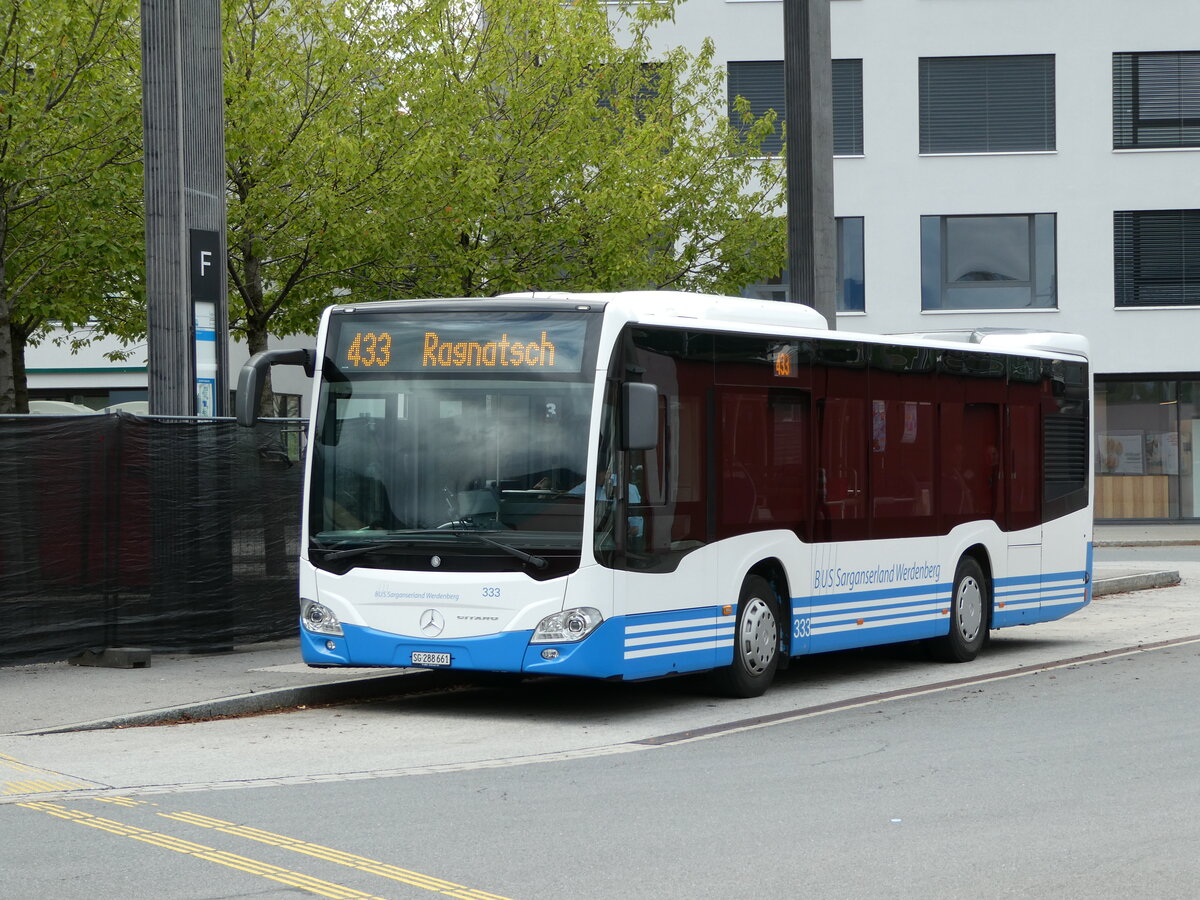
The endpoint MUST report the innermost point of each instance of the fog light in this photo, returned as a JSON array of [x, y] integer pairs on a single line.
[[330, 645], [567, 626], [549, 653], [318, 618]]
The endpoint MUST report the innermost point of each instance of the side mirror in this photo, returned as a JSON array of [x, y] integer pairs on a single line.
[[639, 416], [252, 377]]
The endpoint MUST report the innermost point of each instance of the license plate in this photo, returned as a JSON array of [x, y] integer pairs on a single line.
[[420, 658]]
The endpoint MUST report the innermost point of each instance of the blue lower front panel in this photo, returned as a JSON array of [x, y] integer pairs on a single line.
[[683, 640], [644, 646], [597, 656]]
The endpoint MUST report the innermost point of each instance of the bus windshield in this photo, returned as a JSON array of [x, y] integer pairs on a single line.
[[427, 430]]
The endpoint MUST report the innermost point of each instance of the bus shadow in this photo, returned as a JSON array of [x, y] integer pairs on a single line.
[[591, 702]]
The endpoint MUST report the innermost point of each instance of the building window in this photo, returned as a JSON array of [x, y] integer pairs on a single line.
[[1156, 100], [1156, 256], [851, 292], [988, 262], [847, 108], [762, 83], [987, 104]]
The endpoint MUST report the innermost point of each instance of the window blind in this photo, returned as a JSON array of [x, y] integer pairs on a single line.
[[1156, 100], [762, 83], [987, 104], [1156, 256]]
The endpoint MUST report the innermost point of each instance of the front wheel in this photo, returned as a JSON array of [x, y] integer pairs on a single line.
[[756, 642], [968, 615]]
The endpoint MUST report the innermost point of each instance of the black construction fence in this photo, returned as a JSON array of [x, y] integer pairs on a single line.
[[129, 531]]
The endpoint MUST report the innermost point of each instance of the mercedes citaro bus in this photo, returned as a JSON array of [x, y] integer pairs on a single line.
[[641, 484]]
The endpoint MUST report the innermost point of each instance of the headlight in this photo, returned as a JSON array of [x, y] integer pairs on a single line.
[[319, 618], [567, 626]]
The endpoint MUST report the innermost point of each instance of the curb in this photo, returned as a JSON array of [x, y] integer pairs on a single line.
[[1146, 542], [1139, 581], [372, 687]]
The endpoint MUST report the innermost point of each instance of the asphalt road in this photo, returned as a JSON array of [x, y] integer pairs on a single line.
[[1061, 763], [1077, 781]]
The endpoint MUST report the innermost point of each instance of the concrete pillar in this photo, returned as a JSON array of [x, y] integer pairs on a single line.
[[808, 86], [183, 124]]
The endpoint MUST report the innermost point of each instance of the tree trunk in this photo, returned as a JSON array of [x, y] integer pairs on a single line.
[[257, 320], [20, 340], [256, 342], [9, 399]]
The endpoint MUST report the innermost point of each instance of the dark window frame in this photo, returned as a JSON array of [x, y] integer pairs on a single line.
[[936, 286], [1137, 94], [1156, 258]]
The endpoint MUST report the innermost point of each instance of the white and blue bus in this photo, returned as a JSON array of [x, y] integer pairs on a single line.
[[642, 484]]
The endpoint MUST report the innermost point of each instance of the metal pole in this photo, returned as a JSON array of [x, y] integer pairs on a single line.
[[183, 126], [808, 96]]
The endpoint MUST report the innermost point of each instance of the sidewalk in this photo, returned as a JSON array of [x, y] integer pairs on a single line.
[[60, 697], [1147, 534]]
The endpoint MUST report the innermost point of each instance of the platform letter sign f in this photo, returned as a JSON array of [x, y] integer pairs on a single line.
[[205, 280]]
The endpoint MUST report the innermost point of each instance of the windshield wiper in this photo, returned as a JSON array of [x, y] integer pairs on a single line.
[[411, 536]]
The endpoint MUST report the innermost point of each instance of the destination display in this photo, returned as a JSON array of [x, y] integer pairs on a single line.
[[541, 342]]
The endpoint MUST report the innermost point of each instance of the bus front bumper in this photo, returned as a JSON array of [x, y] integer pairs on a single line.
[[599, 655]]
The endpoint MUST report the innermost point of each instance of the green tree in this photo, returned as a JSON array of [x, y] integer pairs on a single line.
[[70, 176], [559, 151], [442, 148], [315, 136]]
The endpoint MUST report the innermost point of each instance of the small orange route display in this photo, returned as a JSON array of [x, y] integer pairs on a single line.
[[369, 348]]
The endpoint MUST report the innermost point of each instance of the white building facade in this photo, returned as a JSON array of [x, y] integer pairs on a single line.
[[1018, 164]]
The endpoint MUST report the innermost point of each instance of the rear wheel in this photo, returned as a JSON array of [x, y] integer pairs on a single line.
[[756, 642], [968, 615]]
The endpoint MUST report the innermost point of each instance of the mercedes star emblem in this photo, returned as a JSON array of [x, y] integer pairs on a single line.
[[432, 623]]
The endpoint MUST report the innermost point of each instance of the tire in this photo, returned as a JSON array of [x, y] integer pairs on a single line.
[[969, 606], [756, 642]]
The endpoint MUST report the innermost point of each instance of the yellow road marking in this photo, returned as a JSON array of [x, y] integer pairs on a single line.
[[41, 785], [200, 851], [37, 786], [362, 863]]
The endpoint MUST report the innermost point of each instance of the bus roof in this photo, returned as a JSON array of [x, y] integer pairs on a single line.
[[653, 306], [715, 310], [1009, 339]]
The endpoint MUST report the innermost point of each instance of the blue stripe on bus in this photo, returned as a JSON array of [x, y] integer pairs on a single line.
[[684, 640], [862, 618], [1039, 579], [882, 594]]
